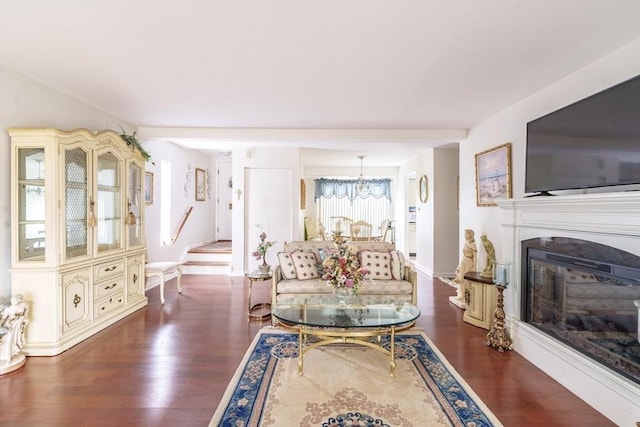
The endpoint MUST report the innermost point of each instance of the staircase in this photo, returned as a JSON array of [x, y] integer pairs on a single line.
[[214, 258]]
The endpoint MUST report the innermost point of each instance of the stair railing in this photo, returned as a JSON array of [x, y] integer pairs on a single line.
[[181, 224]]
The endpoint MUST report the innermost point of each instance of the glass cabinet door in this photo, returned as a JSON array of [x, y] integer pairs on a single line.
[[76, 201], [134, 211], [31, 208], [108, 203]]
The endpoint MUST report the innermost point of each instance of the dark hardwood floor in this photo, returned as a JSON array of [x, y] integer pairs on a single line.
[[169, 365]]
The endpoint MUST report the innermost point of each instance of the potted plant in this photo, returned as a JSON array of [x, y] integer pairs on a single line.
[[261, 252]]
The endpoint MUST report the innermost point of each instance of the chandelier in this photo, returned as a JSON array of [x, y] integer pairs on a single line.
[[362, 185]]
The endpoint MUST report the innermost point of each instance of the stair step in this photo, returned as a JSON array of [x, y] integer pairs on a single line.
[[215, 263], [212, 257], [206, 267], [209, 251], [223, 247]]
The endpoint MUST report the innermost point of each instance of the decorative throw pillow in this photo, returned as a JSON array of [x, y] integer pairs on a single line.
[[397, 265], [305, 265], [286, 265], [378, 264], [402, 265]]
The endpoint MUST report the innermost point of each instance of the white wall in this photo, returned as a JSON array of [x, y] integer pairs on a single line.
[[26, 103], [510, 126], [267, 209], [265, 158], [425, 220], [437, 219], [200, 226], [445, 211]]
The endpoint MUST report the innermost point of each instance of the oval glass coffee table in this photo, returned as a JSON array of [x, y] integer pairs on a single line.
[[346, 323]]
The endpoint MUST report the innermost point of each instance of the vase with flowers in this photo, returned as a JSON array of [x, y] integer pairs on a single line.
[[343, 272], [261, 252]]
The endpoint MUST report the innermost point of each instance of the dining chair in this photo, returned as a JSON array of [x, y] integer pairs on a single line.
[[361, 231], [311, 228]]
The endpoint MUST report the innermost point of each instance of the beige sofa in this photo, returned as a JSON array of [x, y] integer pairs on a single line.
[[293, 285]]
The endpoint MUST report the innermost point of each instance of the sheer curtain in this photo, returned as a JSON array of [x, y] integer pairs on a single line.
[[338, 197]]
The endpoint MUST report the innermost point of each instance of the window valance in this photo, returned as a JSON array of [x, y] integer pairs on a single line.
[[335, 187]]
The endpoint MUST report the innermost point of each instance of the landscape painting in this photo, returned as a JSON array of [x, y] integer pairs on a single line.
[[493, 175]]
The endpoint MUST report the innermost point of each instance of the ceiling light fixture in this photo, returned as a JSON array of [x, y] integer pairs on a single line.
[[362, 186]]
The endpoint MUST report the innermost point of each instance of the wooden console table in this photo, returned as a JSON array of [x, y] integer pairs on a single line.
[[480, 297]]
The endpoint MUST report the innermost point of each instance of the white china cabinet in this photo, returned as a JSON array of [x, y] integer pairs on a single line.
[[77, 226]]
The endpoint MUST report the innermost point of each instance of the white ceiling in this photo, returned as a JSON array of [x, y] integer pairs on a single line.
[[230, 67]]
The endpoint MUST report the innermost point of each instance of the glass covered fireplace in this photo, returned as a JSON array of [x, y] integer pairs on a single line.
[[582, 293]]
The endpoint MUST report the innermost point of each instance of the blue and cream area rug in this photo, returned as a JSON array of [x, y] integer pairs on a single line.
[[348, 385]]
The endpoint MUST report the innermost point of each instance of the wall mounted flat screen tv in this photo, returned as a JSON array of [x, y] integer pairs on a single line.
[[594, 142]]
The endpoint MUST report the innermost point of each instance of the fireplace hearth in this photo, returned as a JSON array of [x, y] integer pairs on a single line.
[[582, 293]]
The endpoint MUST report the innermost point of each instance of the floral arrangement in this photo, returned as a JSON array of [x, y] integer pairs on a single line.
[[343, 269], [263, 247]]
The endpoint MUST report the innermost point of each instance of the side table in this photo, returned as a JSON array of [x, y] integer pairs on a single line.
[[480, 299], [257, 276]]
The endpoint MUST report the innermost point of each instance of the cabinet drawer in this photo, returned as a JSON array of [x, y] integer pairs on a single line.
[[108, 269], [108, 305], [108, 287]]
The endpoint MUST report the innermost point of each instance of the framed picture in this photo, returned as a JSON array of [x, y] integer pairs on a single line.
[[423, 189], [148, 188], [493, 175], [303, 194], [200, 184]]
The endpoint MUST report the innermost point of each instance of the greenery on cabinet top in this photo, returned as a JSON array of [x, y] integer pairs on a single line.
[[132, 140]]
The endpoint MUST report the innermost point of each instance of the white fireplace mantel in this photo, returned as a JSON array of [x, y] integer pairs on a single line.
[[611, 219]]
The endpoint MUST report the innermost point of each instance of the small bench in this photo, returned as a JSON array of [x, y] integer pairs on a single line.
[[160, 269]]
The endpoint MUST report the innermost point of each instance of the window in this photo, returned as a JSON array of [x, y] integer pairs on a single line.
[[165, 202], [338, 197]]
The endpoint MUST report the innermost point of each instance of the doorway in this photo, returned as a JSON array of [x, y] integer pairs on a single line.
[[411, 210], [224, 202]]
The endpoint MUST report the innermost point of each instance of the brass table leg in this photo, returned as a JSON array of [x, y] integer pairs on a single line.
[[351, 337], [392, 356], [300, 351]]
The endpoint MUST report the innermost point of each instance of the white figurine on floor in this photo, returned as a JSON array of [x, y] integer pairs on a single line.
[[467, 263], [13, 319]]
